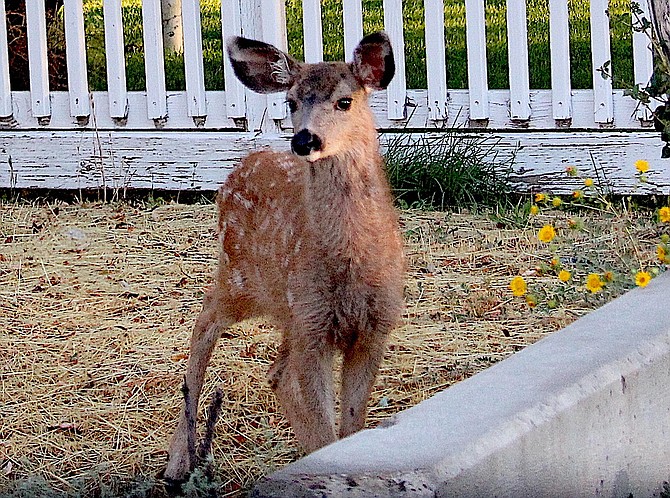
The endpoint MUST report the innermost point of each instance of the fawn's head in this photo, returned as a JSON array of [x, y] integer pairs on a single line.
[[327, 101]]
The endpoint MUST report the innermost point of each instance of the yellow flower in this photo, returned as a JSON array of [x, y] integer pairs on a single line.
[[540, 197], [593, 283], [571, 171], [546, 233], [577, 194], [564, 275], [664, 214], [534, 210], [662, 253], [642, 278], [555, 262], [518, 286], [608, 276], [556, 202], [588, 182], [642, 166]]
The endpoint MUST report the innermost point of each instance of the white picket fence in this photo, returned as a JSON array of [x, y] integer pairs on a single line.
[[190, 140]]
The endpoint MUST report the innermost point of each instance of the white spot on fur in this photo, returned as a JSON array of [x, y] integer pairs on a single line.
[[225, 192], [240, 199], [237, 278]]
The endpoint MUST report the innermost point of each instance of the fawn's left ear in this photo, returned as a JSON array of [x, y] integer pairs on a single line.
[[373, 64], [260, 66]]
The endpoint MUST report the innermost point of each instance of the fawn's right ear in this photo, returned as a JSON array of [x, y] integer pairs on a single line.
[[373, 64], [260, 66]]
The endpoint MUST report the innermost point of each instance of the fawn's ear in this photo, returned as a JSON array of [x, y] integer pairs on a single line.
[[260, 66], [373, 64]]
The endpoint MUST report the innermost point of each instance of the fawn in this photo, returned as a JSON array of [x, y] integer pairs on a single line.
[[310, 240]]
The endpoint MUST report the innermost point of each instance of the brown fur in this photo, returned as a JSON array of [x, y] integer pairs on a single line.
[[312, 243]]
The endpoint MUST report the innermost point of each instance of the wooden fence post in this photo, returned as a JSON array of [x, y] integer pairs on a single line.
[[661, 20], [660, 10]]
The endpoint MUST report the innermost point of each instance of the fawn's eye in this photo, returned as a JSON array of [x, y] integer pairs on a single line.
[[343, 104], [292, 105]]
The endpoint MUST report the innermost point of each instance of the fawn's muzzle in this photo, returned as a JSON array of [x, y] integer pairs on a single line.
[[305, 142]]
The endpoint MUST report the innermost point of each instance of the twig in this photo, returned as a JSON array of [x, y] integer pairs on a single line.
[[214, 410]]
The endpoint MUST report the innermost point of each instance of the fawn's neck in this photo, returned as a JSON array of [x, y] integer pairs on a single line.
[[347, 198]]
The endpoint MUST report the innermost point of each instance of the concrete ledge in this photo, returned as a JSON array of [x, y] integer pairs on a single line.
[[583, 412]]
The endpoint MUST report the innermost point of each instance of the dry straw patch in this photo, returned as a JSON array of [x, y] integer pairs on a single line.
[[97, 303]]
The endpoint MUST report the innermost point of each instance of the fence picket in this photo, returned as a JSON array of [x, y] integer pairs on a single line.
[[36, 27], [116, 64], [643, 62], [436, 60], [559, 47], [231, 25], [517, 46], [602, 61], [476, 47], [352, 16], [154, 63], [273, 19], [312, 30], [397, 90], [5, 89], [194, 68], [75, 52]]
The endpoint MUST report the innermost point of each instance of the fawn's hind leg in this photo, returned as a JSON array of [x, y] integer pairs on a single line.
[[302, 378], [359, 371], [206, 332]]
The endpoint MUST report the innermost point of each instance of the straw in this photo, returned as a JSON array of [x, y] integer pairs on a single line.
[[97, 304]]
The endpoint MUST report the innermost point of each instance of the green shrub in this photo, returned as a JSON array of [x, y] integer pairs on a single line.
[[447, 169]]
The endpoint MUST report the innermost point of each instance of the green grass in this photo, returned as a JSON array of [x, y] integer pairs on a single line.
[[413, 13]]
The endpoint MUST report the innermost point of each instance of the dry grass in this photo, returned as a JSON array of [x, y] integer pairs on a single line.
[[97, 304]]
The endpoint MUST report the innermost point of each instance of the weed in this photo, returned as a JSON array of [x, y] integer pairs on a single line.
[[136, 487], [447, 169], [566, 271]]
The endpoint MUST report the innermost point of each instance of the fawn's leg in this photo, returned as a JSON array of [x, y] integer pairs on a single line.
[[279, 365], [205, 334], [359, 370], [302, 378]]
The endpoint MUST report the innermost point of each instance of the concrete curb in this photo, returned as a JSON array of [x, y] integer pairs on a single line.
[[583, 412]]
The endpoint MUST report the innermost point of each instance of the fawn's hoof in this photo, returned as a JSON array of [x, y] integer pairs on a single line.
[[175, 474], [173, 486]]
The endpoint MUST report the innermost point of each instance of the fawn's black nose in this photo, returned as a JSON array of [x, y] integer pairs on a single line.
[[305, 142]]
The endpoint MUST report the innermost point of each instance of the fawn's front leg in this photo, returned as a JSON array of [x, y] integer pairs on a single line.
[[359, 371], [181, 455]]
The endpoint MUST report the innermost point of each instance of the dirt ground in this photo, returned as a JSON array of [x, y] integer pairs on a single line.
[[97, 302]]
